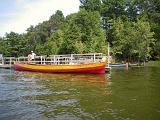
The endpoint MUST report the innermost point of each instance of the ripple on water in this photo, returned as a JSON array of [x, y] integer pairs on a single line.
[[121, 95]]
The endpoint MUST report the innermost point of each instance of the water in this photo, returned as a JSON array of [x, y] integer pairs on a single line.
[[120, 95]]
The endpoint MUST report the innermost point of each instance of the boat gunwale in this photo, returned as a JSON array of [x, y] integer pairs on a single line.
[[81, 64]]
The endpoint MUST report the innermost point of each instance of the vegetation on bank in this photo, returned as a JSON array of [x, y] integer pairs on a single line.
[[131, 28], [153, 63]]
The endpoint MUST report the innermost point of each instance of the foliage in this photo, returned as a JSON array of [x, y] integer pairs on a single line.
[[151, 10], [91, 5], [113, 8], [132, 39], [13, 44], [131, 27], [54, 43], [154, 63], [83, 33]]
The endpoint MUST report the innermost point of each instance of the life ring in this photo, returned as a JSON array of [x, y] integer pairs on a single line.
[[29, 58]]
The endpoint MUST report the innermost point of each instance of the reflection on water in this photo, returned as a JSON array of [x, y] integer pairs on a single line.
[[121, 95], [61, 76], [26, 95]]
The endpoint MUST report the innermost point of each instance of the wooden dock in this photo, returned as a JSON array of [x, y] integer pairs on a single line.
[[107, 69], [7, 62], [6, 66]]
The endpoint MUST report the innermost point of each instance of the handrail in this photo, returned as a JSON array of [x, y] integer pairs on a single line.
[[57, 59]]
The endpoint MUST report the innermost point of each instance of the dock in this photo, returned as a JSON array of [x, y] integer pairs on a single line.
[[7, 62], [107, 69], [6, 66]]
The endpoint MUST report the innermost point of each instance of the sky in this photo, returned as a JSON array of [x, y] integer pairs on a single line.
[[18, 15]]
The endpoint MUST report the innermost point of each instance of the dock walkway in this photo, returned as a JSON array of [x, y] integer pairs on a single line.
[[6, 66], [7, 62]]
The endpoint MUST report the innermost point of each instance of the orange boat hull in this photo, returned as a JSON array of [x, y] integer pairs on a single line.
[[98, 67]]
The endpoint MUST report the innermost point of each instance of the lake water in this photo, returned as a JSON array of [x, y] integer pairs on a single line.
[[120, 95]]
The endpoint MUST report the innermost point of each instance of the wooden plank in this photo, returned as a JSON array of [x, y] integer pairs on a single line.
[[6, 66]]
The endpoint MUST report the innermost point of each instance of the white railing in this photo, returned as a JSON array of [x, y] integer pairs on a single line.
[[57, 59], [76, 58], [65, 59], [7, 60]]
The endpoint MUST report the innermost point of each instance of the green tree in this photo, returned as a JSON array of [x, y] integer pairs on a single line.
[[57, 20], [92, 34], [37, 36], [149, 9], [72, 41], [112, 9], [91, 5], [144, 39], [3, 47], [132, 39], [13, 44], [54, 43], [84, 33]]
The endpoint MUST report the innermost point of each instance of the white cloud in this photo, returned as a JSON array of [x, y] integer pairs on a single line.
[[32, 13]]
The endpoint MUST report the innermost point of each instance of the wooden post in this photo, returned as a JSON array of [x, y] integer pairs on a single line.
[[58, 60], [2, 61], [41, 59], [94, 58], [108, 54], [10, 61], [126, 65], [54, 59], [44, 61], [71, 58]]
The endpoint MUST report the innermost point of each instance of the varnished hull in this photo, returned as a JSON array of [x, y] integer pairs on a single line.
[[98, 67]]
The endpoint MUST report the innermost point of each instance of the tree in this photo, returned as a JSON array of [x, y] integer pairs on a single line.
[[37, 36], [84, 33], [54, 43], [132, 39], [112, 9], [3, 47], [144, 39], [91, 5], [12, 40], [92, 34], [72, 42], [150, 9], [57, 20], [122, 44]]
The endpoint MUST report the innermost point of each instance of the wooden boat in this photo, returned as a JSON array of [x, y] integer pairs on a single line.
[[122, 65], [88, 67], [97, 67], [117, 65]]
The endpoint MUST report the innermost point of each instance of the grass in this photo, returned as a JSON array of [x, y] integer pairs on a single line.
[[153, 63]]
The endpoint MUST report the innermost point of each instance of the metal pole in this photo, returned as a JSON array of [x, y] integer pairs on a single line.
[[108, 54]]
